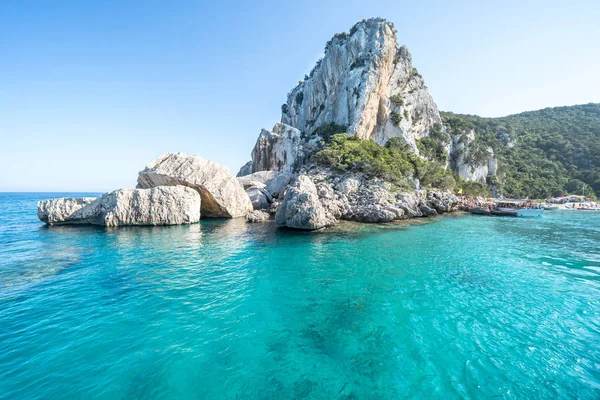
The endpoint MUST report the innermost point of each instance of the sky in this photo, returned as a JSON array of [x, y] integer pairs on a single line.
[[92, 91]]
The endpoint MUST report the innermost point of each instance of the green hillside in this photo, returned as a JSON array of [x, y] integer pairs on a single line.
[[550, 152]]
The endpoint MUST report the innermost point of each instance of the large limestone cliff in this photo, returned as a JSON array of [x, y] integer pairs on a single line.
[[366, 82]]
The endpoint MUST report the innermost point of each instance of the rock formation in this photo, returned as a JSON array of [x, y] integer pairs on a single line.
[[161, 205], [258, 216], [301, 207], [222, 195], [264, 187], [278, 150], [366, 82], [469, 161], [366, 85], [245, 170], [320, 196]]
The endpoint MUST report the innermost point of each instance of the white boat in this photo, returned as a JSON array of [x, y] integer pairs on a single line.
[[517, 208]]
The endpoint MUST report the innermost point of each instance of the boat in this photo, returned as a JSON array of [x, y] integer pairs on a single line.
[[517, 208], [549, 208], [481, 210]]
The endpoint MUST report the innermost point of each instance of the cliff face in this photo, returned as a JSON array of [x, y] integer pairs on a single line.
[[470, 162], [366, 83]]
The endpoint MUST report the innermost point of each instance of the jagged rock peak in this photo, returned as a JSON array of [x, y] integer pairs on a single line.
[[365, 82]]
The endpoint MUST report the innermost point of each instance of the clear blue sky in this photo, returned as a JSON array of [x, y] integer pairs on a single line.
[[91, 91]]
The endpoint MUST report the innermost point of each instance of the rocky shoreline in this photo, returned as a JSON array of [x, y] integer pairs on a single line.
[[180, 189], [366, 87]]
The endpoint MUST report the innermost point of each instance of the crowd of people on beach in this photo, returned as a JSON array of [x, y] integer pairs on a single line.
[[468, 203]]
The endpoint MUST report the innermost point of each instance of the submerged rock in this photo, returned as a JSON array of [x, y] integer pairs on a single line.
[[172, 205], [301, 207], [222, 195]]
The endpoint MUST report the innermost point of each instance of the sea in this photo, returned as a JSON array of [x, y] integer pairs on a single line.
[[453, 307]]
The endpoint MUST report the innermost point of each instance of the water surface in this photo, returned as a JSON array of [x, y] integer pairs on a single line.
[[465, 307]]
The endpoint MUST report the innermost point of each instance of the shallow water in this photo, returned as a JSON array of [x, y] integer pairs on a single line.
[[464, 307]]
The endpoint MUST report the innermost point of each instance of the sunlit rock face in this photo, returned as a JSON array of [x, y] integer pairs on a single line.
[[221, 193], [469, 161], [280, 149], [366, 82], [163, 205], [367, 86]]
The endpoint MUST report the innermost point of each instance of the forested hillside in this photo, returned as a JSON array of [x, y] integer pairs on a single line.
[[550, 152]]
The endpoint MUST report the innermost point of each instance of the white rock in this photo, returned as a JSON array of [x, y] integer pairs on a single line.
[[274, 182], [161, 205], [246, 169], [463, 163], [259, 199], [278, 150], [301, 207], [222, 195], [258, 216], [353, 83]]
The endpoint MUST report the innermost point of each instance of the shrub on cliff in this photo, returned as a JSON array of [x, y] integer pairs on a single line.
[[397, 99], [392, 162], [326, 131], [395, 117]]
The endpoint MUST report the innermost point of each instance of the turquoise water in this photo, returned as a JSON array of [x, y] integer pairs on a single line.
[[464, 307]]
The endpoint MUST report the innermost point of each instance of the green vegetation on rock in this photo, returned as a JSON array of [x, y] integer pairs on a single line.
[[395, 117], [393, 162], [326, 131], [397, 100]]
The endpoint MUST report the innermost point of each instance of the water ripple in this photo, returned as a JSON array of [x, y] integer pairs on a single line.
[[460, 308]]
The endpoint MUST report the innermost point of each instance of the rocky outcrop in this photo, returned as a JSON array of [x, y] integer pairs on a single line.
[[278, 150], [274, 182], [258, 216], [354, 197], [222, 195], [264, 187], [259, 197], [469, 160], [367, 83], [161, 205], [246, 169], [301, 207]]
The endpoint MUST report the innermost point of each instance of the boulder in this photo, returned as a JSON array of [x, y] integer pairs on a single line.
[[163, 205], [257, 216], [427, 211], [222, 195], [442, 202], [274, 182], [258, 197], [301, 207]]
